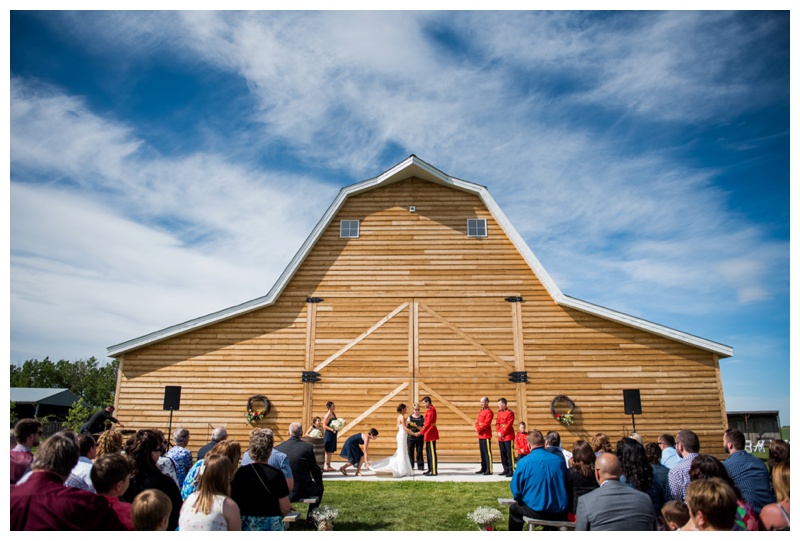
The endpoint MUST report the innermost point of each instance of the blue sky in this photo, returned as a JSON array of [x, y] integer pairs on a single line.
[[167, 165]]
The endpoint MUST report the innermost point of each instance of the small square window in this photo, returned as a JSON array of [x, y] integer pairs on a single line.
[[348, 229], [476, 227]]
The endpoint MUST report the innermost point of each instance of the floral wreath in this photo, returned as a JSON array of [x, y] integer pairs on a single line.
[[566, 418], [254, 414]]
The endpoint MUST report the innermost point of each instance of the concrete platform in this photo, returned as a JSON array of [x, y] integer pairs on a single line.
[[461, 472]]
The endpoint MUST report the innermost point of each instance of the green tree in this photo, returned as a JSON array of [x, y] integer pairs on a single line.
[[90, 380]]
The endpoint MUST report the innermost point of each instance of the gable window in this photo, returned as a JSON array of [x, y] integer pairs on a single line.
[[348, 229], [476, 227]]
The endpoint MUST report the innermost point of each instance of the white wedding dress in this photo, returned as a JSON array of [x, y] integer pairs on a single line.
[[398, 465]]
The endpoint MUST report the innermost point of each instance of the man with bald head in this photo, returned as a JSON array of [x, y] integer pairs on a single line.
[[614, 506], [305, 469]]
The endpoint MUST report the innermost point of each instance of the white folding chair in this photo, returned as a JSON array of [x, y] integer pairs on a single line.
[[759, 448], [748, 446]]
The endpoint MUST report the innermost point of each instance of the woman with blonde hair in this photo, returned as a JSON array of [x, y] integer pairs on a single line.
[[775, 516], [229, 448], [211, 509], [109, 441], [601, 444]]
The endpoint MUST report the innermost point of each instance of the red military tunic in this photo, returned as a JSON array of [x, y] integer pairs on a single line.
[[429, 430], [484, 424], [523, 448], [505, 425]]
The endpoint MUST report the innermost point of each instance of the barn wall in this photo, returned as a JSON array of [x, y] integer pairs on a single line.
[[412, 308]]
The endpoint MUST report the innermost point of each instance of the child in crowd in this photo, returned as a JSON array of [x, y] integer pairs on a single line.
[[150, 511], [521, 441], [111, 475], [675, 514], [315, 431]]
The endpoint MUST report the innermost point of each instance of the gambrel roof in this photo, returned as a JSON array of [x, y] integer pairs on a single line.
[[415, 167]]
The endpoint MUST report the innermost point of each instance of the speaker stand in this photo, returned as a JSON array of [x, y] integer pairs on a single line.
[[633, 420], [169, 430]]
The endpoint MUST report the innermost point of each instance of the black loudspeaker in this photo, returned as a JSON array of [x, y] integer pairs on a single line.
[[633, 401], [172, 398]]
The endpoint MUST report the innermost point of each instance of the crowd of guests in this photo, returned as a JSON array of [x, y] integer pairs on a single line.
[[83, 482], [667, 485], [77, 482]]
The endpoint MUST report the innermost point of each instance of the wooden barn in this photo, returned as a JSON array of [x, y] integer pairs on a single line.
[[414, 283]]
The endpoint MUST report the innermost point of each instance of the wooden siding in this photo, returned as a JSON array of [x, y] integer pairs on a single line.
[[414, 307]]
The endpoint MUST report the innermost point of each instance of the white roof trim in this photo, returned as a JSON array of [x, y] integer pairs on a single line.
[[414, 166]]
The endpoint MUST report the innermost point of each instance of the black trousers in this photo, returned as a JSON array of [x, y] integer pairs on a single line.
[[506, 456], [433, 459], [486, 454], [415, 446], [519, 510]]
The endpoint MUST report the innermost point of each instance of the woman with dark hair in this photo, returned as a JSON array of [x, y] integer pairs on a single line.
[[709, 467], [145, 448], [601, 444], [329, 435], [580, 476], [259, 489], [399, 464], [352, 453], [211, 509], [778, 452], [660, 471], [638, 473]]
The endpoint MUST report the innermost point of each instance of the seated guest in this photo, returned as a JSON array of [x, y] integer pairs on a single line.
[[749, 473], [614, 506], [26, 435], [277, 459], [775, 516], [521, 441], [538, 485], [709, 467], [669, 455], [675, 515], [778, 452], [210, 509], [712, 505], [217, 435], [687, 444], [180, 455], [109, 441], [601, 444], [166, 465], [229, 448], [553, 445], [145, 448], [305, 469], [111, 475], [44, 503], [259, 489], [80, 477], [637, 472], [580, 476], [151, 510], [660, 471]]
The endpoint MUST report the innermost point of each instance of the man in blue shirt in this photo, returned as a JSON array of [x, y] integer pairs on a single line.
[[538, 485], [669, 455], [748, 472]]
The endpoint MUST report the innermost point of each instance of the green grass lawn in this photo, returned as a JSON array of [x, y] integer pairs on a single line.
[[409, 505]]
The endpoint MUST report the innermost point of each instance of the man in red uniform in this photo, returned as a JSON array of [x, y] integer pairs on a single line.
[[483, 426], [505, 435], [430, 434]]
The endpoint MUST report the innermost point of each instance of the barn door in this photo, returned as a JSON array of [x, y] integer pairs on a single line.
[[373, 354]]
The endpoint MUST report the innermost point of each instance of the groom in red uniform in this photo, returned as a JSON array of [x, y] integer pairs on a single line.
[[430, 434]]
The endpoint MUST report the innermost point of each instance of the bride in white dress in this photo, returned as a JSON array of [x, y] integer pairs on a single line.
[[397, 465]]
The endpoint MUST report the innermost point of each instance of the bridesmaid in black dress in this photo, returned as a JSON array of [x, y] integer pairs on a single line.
[[351, 450], [330, 435]]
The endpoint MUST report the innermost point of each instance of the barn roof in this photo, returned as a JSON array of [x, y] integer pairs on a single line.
[[38, 395], [415, 167]]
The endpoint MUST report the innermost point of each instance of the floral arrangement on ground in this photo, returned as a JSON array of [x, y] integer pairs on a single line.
[[485, 517], [323, 516]]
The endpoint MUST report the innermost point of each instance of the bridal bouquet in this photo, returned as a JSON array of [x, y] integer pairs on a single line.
[[338, 424], [413, 427], [485, 517]]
